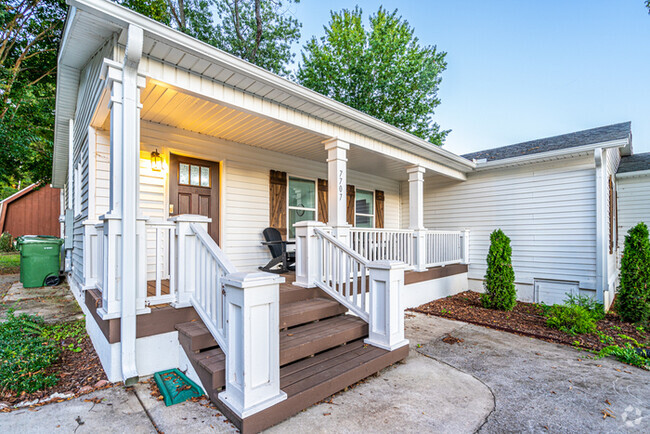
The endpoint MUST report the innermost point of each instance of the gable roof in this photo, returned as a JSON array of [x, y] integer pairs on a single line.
[[634, 163], [580, 138]]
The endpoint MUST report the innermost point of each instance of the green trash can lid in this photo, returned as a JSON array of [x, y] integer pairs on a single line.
[[38, 239]]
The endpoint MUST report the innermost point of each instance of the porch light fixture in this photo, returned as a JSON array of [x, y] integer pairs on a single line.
[[156, 161]]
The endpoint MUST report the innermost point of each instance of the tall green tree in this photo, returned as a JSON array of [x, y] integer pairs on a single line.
[[500, 291], [382, 71], [259, 31], [30, 31]]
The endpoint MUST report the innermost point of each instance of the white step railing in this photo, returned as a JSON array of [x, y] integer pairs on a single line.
[[444, 248], [343, 274], [383, 244], [161, 255], [210, 267]]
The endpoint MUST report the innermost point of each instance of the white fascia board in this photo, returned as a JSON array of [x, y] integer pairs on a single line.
[[541, 156], [635, 174], [119, 15]]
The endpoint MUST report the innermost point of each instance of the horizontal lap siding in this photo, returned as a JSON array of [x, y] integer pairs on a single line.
[[633, 205], [245, 186], [102, 172], [548, 211]]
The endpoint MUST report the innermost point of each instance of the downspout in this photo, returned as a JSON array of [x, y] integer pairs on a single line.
[[600, 159], [130, 175], [69, 217]]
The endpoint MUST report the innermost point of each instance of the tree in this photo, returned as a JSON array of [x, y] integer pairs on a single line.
[[500, 292], [30, 31], [382, 71], [259, 31], [633, 298]]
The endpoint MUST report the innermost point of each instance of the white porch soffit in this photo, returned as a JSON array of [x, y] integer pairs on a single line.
[[91, 22]]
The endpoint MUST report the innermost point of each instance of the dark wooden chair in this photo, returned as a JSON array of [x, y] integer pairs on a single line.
[[282, 261]]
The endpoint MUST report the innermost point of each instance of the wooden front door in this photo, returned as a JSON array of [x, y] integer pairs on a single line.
[[194, 189]]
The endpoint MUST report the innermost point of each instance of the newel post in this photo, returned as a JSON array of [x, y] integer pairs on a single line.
[[386, 325], [253, 356], [185, 256], [464, 246], [308, 254]]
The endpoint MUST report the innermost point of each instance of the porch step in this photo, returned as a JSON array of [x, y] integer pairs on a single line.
[[290, 293], [295, 343], [311, 380], [313, 309]]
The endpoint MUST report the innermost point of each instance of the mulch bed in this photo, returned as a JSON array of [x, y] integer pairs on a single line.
[[526, 319], [77, 373]]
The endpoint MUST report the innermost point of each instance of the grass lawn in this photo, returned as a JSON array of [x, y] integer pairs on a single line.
[[9, 263]]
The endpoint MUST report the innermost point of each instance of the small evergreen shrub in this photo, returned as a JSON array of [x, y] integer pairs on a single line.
[[6, 243], [595, 309], [571, 318], [25, 355], [500, 292], [633, 298]]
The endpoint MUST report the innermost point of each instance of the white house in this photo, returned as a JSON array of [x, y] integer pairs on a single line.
[[174, 156]]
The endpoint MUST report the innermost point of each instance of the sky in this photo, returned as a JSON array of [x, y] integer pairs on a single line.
[[523, 70]]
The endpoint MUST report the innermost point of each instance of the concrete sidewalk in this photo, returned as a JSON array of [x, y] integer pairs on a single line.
[[419, 395]]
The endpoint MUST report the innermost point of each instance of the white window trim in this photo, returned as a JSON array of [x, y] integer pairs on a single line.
[[372, 216], [77, 189], [289, 208]]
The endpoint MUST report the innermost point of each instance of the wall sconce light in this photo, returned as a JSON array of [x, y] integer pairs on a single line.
[[156, 161]]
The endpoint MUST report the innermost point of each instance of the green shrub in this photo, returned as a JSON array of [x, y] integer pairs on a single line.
[[6, 243], [25, 355], [500, 292], [572, 319], [633, 298], [627, 354], [596, 310]]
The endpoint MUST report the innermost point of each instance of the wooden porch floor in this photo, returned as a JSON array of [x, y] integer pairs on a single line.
[[151, 288]]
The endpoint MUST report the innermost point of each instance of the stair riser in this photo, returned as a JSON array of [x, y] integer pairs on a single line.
[[296, 293]]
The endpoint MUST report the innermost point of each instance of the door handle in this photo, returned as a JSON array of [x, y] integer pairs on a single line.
[[171, 208]]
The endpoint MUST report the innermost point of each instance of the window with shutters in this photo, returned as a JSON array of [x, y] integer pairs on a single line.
[[364, 209], [613, 211], [301, 203]]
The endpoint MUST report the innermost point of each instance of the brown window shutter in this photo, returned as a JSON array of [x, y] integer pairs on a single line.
[[322, 201], [379, 209], [611, 215], [278, 201], [349, 214]]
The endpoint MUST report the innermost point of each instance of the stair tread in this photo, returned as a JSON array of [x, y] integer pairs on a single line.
[[192, 328], [213, 360], [306, 305]]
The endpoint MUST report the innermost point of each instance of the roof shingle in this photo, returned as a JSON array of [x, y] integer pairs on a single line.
[[634, 163], [579, 138]]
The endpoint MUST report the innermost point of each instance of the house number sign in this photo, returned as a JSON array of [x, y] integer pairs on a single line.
[[340, 185]]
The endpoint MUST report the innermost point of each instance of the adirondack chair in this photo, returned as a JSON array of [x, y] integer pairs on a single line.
[[282, 261]]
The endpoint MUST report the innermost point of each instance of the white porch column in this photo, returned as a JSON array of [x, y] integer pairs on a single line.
[[307, 253], [602, 230], [386, 325], [416, 215], [184, 261], [253, 356], [337, 180]]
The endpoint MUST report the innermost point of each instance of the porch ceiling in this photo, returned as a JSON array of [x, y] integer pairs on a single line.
[[168, 106]]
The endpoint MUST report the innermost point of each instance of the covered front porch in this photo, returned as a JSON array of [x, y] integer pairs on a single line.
[[184, 175]]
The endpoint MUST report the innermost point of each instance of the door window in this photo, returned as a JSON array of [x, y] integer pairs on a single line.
[[302, 202], [191, 174]]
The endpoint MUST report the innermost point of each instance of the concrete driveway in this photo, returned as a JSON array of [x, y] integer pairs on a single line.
[[539, 386]]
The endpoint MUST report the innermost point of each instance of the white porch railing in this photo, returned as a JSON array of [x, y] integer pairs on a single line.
[[343, 274], [209, 268], [161, 257], [443, 248], [383, 244], [100, 254]]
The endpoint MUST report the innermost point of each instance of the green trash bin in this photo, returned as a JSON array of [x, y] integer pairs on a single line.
[[40, 260]]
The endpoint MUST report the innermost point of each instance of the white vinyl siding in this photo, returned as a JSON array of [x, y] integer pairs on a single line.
[[613, 160], [244, 187], [633, 204], [548, 211]]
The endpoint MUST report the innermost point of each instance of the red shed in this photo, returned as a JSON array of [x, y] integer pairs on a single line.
[[32, 211]]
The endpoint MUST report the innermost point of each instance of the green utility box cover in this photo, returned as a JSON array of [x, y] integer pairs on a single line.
[[176, 387], [40, 259]]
